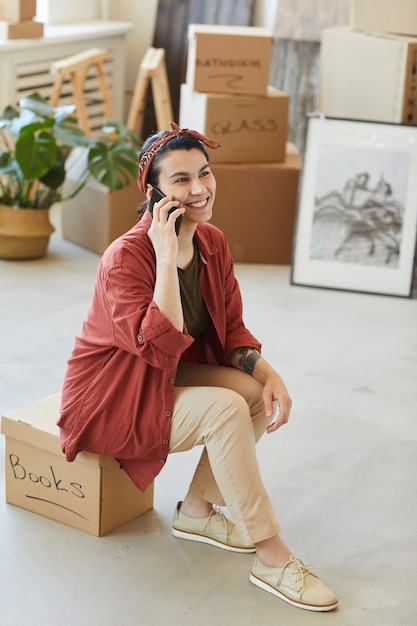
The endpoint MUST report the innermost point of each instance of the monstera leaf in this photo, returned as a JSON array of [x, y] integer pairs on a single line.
[[113, 165], [35, 141]]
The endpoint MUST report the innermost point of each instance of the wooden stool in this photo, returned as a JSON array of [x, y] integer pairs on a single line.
[[76, 67]]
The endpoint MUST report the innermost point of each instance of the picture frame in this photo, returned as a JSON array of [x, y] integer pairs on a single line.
[[356, 224]]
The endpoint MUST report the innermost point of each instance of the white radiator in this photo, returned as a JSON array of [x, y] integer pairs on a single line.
[[25, 65]]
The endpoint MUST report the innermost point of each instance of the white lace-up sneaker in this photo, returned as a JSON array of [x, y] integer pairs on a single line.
[[295, 584], [215, 530]]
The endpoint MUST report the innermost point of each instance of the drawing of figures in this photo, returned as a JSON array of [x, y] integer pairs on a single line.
[[359, 206]]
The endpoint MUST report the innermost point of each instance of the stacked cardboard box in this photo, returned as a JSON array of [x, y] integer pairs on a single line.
[[226, 96], [17, 19], [368, 71], [97, 216]]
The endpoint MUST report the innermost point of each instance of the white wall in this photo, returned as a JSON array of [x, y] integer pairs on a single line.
[[142, 13], [57, 12]]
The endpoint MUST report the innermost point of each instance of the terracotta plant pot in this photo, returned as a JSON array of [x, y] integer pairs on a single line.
[[24, 233]]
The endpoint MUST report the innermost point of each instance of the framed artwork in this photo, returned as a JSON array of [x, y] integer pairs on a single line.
[[356, 222]]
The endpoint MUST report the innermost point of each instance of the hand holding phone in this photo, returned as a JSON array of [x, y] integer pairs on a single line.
[[156, 196]]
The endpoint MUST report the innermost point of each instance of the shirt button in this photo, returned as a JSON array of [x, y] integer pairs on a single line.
[[172, 380], [162, 460], [168, 413], [140, 338], [164, 440]]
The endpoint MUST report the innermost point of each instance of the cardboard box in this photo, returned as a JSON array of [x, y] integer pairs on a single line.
[[250, 128], [368, 76], [97, 216], [389, 16], [17, 10], [27, 29], [255, 207], [92, 494], [228, 59]]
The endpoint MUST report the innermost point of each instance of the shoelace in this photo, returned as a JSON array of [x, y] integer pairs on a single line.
[[303, 570], [227, 524]]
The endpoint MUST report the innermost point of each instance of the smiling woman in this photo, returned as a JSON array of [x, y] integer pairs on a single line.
[[164, 363], [193, 188]]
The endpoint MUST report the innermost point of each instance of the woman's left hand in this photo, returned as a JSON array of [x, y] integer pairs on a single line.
[[252, 362], [276, 391]]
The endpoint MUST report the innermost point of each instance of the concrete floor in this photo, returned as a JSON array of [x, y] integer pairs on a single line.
[[342, 474]]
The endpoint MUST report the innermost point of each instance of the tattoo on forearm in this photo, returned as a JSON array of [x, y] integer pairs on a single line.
[[247, 359]]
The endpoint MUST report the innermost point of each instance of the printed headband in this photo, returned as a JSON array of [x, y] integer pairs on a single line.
[[148, 156]]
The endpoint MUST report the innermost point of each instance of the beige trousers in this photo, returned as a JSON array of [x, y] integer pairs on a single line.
[[222, 409]]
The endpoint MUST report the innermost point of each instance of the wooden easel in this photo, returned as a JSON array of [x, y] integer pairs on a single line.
[[152, 69], [76, 67]]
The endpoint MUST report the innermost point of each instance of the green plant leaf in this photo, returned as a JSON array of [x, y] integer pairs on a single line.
[[5, 160], [33, 127], [22, 121], [64, 112], [9, 166], [9, 113], [113, 165], [67, 133], [55, 176], [122, 132], [37, 105], [33, 166], [36, 154]]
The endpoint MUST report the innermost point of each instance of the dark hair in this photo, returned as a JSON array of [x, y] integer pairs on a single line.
[[180, 142]]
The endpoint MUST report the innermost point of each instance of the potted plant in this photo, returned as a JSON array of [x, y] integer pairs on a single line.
[[35, 142]]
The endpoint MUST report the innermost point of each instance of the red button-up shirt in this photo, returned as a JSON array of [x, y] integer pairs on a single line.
[[118, 392]]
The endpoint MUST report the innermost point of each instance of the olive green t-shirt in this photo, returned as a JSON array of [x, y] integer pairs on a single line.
[[194, 309]]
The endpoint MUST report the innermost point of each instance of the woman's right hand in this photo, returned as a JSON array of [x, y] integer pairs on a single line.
[[165, 242], [162, 230]]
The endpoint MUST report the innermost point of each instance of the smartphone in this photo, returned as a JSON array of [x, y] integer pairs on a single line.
[[157, 195]]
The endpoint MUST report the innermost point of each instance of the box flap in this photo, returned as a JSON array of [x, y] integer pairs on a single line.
[[220, 29], [43, 415], [22, 431], [36, 425], [351, 32]]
